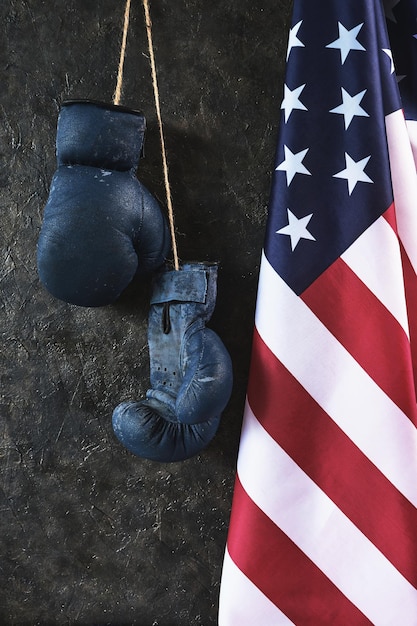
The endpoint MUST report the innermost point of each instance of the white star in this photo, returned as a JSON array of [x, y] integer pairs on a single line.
[[346, 41], [296, 229], [293, 164], [291, 101], [389, 55], [293, 41], [350, 107], [354, 172]]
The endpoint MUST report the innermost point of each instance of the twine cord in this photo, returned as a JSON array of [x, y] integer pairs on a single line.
[[161, 133], [116, 100], [119, 85]]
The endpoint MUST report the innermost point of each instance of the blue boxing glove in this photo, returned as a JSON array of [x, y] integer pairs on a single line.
[[190, 370], [101, 225]]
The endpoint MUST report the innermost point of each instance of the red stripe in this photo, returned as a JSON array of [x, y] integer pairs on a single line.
[[410, 284], [370, 333], [391, 218], [282, 571], [301, 427]]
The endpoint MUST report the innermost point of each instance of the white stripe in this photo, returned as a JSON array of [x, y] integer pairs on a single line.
[[404, 182], [336, 381], [412, 133], [375, 258], [241, 603], [311, 520]]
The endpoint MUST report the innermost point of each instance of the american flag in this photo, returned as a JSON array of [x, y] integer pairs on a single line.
[[323, 529]]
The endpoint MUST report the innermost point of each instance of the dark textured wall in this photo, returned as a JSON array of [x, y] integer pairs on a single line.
[[90, 534]]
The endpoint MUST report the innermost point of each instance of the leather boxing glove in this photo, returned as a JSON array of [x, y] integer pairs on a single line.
[[190, 370], [101, 225]]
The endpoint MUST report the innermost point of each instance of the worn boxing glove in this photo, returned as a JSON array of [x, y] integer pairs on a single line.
[[190, 370], [100, 225]]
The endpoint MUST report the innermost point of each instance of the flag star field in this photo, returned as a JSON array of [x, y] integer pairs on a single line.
[[330, 173]]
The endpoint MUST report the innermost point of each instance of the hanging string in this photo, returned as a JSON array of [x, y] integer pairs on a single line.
[[116, 100], [161, 132], [118, 91]]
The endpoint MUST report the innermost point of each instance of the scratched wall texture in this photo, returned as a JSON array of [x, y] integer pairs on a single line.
[[90, 534]]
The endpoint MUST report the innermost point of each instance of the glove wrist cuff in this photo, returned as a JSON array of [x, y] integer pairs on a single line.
[[192, 283], [97, 134]]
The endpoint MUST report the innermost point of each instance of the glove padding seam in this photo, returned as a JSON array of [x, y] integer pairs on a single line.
[[197, 326]]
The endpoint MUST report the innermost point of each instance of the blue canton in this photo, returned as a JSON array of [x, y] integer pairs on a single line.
[[332, 176]]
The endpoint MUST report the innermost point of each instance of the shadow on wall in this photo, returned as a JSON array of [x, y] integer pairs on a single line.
[[214, 222]]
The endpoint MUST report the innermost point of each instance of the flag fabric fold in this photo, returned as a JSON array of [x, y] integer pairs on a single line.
[[323, 528]]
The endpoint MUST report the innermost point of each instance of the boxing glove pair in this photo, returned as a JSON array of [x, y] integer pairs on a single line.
[[101, 227]]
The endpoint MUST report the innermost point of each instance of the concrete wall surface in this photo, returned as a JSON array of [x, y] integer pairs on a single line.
[[89, 533]]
